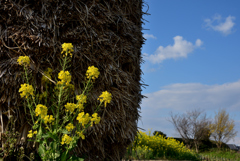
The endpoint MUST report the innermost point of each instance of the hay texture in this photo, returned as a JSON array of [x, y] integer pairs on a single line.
[[104, 33]]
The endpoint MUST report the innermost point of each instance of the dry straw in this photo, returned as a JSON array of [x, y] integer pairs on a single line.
[[104, 33]]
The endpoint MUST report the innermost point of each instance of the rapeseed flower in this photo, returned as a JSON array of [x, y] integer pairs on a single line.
[[92, 72], [80, 107], [66, 139], [23, 60], [41, 110], [26, 90], [105, 97], [30, 134], [49, 119], [95, 118], [65, 77], [81, 98], [80, 134], [83, 118], [70, 107], [70, 127], [67, 48]]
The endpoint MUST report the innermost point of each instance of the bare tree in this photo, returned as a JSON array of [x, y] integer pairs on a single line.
[[192, 125], [222, 128]]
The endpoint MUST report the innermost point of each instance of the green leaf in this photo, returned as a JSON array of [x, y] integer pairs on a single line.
[[41, 150], [56, 155], [64, 156], [64, 131], [39, 134]]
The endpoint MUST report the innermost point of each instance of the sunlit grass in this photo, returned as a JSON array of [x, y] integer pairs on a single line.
[[224, 153]]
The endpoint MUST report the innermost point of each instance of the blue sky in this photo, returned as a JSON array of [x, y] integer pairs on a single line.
[[192, 61]]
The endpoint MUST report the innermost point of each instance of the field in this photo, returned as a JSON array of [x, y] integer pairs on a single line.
[[149, 147]]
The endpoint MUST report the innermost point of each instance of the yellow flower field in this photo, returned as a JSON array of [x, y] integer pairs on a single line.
[[146, 146]]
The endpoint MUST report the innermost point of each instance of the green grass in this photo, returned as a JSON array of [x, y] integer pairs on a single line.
[[226, 154]]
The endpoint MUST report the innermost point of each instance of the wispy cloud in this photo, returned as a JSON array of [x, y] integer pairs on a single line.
[[185, 96], [180, 98], [223, 25], [180, 48], [147, 36]]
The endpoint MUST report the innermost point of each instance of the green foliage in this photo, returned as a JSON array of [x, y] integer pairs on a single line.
[[10, 150]]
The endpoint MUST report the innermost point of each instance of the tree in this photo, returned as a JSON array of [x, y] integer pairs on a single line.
[[159, 133], [192, 125], [222, 128]]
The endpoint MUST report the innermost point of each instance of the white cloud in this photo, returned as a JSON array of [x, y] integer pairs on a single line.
[[217, 23], [180, 98], [147, 36], [185, 96], [180, 48]]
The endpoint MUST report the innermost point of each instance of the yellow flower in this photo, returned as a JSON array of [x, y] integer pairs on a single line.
[[83, 118], [30, 134], [67, 48], [80, 134], [70, 127], [95, 118], [71, 86], [66, 139], [48, 74], [23, 60], [105, 97], [26, 90], [41, 110], [80, 107], [65, 77], [92, 72], [81, 98], [71, 107], [48, 118]]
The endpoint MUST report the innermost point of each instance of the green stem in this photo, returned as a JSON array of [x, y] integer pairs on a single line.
[[60, 96], [29, 105], [80, 99]]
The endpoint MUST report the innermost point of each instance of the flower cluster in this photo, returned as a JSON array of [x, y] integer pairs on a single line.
[[23, 60], [64, 126], [65, 77], [80, 134], [70, 127], [105, 97], [160, 146], [81, 98], [92, 72], [70, 107], [26, 90], [30, 134], [66, 139], [48, 73], [41, 110], [49, 119], [95, 119], [67, 48], [83, 118]]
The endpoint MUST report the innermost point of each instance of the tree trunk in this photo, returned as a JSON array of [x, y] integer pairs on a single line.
[[196, 146]]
